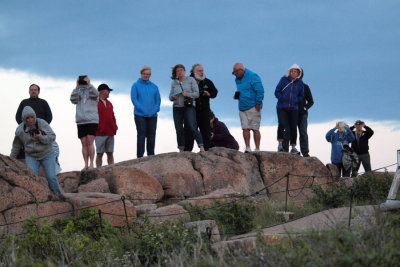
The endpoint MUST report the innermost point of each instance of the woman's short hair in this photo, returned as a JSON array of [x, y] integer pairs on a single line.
[[173, 77], [145, 67]]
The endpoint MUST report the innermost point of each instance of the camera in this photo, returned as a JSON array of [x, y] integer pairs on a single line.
[[81, 80], [237, 94]]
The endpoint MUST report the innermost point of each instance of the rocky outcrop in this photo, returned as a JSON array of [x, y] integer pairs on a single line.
[[196, 178], [302, 172], [110, 205], [173, 213], [23, 194]]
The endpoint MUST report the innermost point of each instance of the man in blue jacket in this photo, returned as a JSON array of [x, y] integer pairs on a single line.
[[250, 93]]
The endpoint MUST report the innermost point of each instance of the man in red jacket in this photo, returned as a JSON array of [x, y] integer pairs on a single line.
[[107, 127]]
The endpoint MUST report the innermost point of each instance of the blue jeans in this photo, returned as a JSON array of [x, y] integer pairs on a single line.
[[302, 124], [146, 128], [287, 119], [49, 166], [186, 116]]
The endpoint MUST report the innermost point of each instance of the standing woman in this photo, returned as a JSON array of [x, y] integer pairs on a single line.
[[146, 99], [289, 92], [86, 97], [184, 91]]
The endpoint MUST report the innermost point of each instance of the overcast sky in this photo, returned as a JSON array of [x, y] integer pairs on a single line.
[[348, 50]]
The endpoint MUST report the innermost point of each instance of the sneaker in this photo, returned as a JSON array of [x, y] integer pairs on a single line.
[[306, 155], [280, 148], [247, 150], [294, 151], [256, 150]]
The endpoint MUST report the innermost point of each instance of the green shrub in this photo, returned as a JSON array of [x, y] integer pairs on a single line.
[[335, 195], [372, 187], [231, 217]]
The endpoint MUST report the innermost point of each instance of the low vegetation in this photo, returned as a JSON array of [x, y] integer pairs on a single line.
[[87, 240]]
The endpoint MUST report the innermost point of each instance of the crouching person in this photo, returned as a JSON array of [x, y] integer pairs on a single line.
[[36, 137]]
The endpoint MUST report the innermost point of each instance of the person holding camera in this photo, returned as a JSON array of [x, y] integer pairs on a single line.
[[360, 145], [340, 137], [207, 90], [86, 97], [184, 91], [146, 99], [36, 137], [250, 93]]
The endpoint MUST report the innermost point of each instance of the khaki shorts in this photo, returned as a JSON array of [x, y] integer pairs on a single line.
[[250, 119], [104, 143]]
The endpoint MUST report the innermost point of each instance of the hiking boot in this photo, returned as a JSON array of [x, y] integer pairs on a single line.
[[280, 148], [306, 155], [294, 151]]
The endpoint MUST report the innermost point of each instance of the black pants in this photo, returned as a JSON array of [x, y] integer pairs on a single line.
[[203, 121], [287, 120]]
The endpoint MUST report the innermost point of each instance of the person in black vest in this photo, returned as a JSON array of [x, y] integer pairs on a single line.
[[207, 90], [360, 145]]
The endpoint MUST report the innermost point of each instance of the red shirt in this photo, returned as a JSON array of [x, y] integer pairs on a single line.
[[107, 123]]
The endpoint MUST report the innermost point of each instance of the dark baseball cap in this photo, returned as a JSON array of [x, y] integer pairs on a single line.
[[103, 86], [359, 122]]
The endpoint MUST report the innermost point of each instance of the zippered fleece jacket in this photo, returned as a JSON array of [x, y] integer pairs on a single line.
[[85, 98], [146, 98], [251, 90], [37, 148]]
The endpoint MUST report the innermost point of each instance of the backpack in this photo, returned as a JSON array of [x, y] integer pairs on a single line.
[[349, 158]]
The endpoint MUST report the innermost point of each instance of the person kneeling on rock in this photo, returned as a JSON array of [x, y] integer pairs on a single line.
[[36, 137]]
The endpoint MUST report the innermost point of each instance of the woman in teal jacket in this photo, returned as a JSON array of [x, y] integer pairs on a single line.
[[146, 99]]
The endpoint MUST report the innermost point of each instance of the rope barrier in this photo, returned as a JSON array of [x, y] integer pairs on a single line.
[[213, 198]]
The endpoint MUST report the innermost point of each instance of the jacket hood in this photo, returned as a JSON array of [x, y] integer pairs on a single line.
[[301, 73], [28, 112], [294, 66]]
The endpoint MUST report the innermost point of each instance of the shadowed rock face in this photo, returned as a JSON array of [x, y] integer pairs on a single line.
[[23, 194]]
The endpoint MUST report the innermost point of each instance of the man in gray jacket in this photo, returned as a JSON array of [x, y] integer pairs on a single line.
[[86, 98], [36, 136]]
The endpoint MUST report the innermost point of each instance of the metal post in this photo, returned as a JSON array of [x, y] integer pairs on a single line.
[[101, 221], [287, 190], [351, 205], [126, 214], [391, 202]]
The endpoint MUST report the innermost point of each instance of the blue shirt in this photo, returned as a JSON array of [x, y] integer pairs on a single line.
[[146, 98]]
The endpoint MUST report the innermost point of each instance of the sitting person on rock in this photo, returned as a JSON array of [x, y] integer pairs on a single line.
[[220, 135], [339, 139], [36, 137]]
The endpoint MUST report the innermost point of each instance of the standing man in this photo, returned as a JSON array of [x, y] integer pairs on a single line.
[[250, 93], [302, 123], [360, 145], [40, 106], [207, 90], [107, 127]]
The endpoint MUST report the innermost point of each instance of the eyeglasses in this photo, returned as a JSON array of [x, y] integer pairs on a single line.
[[144, 73], [295, 71], [236, 71]]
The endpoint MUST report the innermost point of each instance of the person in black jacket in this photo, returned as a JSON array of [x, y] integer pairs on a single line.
[[302, 121], [207, 90], [360, 145], [40, 106], [220, 135]]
